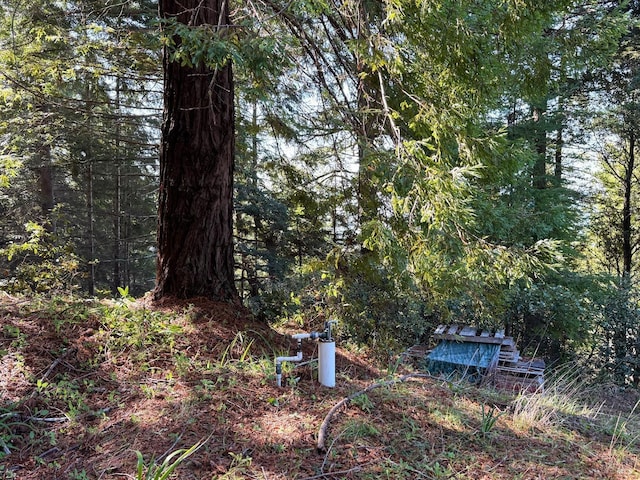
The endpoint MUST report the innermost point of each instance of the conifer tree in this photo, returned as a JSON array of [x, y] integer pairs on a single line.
[[195, 224]]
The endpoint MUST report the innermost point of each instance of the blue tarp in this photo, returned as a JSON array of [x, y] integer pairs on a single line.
[[462, 357]]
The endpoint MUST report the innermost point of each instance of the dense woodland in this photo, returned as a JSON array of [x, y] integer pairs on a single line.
[[398, 163]]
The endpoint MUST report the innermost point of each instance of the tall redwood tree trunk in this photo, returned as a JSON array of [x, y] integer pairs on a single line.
[[195, 222]]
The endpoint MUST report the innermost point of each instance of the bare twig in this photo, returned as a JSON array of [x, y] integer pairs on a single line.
[[56, 362], [51, 368], [45, 419]]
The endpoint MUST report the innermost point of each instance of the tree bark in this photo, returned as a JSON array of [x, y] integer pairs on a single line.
[[91, 240], [540, 141], [117, 202], [45, 183], [195, 214], [627, 245]]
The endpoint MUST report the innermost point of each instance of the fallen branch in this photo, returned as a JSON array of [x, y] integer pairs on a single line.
[[322, 432], [20, 418]]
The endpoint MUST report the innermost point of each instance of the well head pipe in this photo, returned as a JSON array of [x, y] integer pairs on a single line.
[[327, 364]]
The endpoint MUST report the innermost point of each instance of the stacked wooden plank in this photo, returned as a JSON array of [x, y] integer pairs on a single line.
[[415, 353], [512, 372]]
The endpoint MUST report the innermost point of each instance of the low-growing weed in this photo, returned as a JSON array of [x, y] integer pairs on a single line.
[[490, 416], [67, 392], [78, 475], [240, 343], [6, 474], [240, 465], [9, 423], [363, 402], [360, 429], [438, 471], [154, 471], [125, 327], [19, 339]]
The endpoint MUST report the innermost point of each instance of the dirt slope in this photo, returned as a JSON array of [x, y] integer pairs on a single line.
[[84, 386]]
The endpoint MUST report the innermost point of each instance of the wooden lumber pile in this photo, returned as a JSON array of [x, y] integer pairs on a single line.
[[511, 372]]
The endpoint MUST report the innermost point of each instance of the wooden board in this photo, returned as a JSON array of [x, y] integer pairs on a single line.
[[476, 339], [509, 356], [521, 370], [508, 342], [417, 351], [440, 329], [468, 331]]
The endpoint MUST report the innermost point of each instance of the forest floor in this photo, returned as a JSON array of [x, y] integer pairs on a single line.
[[84, 386]]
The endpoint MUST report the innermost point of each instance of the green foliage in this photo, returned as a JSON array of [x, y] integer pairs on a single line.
[[9, 421], [552, 317], [39, 264], [124, 326], [490, 416], [69, 395], [363, 402], [214, 46], [124, 292], [72, 72], [371, 302], [238, 343], [76, 474], [239, 467], [358, 429], [154, 471], [616, 174], [9, 168], [194, 46], [616, 332]]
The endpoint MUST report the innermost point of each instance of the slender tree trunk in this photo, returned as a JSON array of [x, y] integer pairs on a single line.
[[627, 245], [540, 140], [195, 215], [117, 201], [558, 157], [558, 167], [368, 99], [252, 271], [45, 183], [91, 287]]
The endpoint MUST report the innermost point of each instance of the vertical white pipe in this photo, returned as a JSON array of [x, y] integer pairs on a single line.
[[327, 363]]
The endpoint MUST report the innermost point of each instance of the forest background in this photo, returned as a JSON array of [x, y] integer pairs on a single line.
[[398, 164]]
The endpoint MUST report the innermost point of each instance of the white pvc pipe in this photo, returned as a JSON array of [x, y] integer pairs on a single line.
[[279, 360], [327, 364], [297, 358], [301, 336]]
